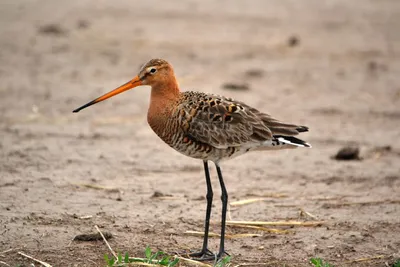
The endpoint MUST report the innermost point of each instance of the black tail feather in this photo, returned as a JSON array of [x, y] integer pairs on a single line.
[[301, 129]]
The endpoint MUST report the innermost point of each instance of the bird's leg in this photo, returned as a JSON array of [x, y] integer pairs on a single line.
[[205, 254], [224, 198]]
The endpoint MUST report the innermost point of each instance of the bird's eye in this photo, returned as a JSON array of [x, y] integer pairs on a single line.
[[152, 70]]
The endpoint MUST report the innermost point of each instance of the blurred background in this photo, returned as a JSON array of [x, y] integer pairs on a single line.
[[332, 65]]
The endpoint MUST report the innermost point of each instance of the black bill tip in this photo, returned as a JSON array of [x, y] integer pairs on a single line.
[[84, 106], [302, 129]]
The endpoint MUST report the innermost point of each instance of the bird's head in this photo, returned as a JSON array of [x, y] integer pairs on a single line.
[[155, 72]]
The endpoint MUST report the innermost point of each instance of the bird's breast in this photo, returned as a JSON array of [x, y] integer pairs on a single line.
[[171, 129], [165, 127]]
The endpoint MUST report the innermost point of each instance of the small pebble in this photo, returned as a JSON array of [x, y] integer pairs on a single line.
[[254, 73], [157, 194], [293, 41], [52, 29], [236, 86], [348, 153]]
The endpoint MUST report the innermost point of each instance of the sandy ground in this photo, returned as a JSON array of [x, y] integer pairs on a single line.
[[332, 65]]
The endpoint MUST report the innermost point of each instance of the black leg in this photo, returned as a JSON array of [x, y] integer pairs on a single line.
[[205, 254], [224, 198]]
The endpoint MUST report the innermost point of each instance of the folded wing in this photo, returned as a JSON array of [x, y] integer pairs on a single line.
[[223, 122]]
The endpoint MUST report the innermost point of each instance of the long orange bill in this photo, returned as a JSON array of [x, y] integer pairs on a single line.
[[129, 85]]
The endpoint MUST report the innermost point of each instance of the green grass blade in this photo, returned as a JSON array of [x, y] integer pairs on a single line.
[[316, 261], [174, 262], [109, 261], [155, 256], [119, 257], [226, 259], [147, 252], [164, 261], [126, 258]]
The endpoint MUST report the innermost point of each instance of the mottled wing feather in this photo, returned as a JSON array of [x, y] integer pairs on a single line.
[[222, 122]]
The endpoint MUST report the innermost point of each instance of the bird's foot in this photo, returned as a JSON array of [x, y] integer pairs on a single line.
[[203, 255], [207, 255]]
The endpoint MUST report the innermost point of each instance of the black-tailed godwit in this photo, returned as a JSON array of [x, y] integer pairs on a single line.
[[207, 127]]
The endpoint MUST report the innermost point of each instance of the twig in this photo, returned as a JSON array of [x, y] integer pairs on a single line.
[[327, 198], [269, 195], [86, 217], [105, 240], [246, 201], [282, 223], [195, 233], [2, 262], [368, 259], [229, 212], [70, 242], [264, 229], [5, 251], [302, 211], [32, 258], [193, 261], [97, 187]]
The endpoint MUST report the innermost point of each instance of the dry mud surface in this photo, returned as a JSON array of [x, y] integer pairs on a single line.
[[331, 65]]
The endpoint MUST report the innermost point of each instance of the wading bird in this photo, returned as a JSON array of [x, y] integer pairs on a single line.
[[207, 127]]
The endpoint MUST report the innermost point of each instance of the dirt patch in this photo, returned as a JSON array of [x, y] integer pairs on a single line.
[[331, 66]]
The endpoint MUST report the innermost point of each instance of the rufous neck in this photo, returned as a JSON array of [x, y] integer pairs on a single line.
[[167, 90]]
